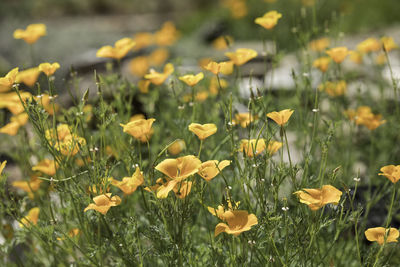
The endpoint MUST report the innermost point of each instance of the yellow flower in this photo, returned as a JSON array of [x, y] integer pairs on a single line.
[[139, 129], [176, 147], [16, 122], [334, 88], [317, 198], [273, 147], [64, 141], [29, 76], [167, 35], [12, 102], [142, 40], [244, 119], [128, 185], [319, 45], [31, 218], [48, 68], [180, 168], [322, 63], [209, 169], [222, 42], [7, 81], [203, 130], [238, 8], [103, 203], [2, 166], [388, 43], [215, 85], [182, 189], [191, 79], [252, 147], [30, 186], [356, 57], [391, 172], [44, 100], [46, 166], [220, 211], [213, 67], [32, 33], [143, 86], [72, 233], [269, 20], [241, 56], [380, 59], [378, 234], [162, 189], [369, 45], [225, 67], [120, 49], [281, 117], [338, 54], [238, 221], [159, 78], [158, 56], [364, 116], [139, 66]]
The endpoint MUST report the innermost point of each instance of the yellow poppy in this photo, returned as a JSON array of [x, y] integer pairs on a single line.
[[120, 49], [30, 186], [273, 147], [369, 45], [269, 20], [338, 54], [177, 147], [158, 78], [128, 185], [215, 85], [391, 172], [12, 102], [180, 168], [48, 68], [356, 57], [388, 43], [252, 147], [203, 130], [31, 218], [46, 166], [8, 80], [319, 45], [317, 198], [322, 63], [281, 117], [241, 56], [378, 234], [222, 42], [29, 76], [32, 33], [162, 188], [143, 86], [64, 141], [139, 129], [238, 221], [209, 169], [158, 56], [167, 35], [333, 89], [103, 203], [364, 116], [16, 122], [142, 40], [244, 119], [220, 211], [191, 79]]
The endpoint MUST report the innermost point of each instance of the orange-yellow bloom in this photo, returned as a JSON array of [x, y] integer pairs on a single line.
[[32, 33], [167, 35], [139, 66], [241, 56], [64, 141], [180, 168], [244, 119], [7, 81], [281, 117], [191, 79], [29, 76], [48, 68], [274, 146], [16, 122], [369, 45], [222, 42], [269, 20], [31, 219], [143, 86], [228, 206], [120, 49], [203, 130], [162, 188], [30, 186], [46, 166], [209, 169], [388, 43], [252, 147], [158, 78], [338, 54], [158, 56], [364, 116], [319, 45], [238, 221], [128, 185], [317, 198], [378, 234], [225, 67], [142, 40], [103, 203], [334, 88], [391, 172], [356, 57], [176, 147], [139, 129], [322, 63]]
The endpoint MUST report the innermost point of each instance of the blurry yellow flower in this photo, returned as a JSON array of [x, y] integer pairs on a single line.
[[209, 169], [252, 147], [177, 147], [369, 45], [213, 67], [44, 100], [32, 33], [142, 40], [128, 185], [238, 8], [143, 86], [159, 78], [281, 117], [391, 172], [2, 166], [7, 81], [333, 89], [64, 141], [31, 218], [180, 168], [317, 198], [158, 56], [203, 130], [167, 35], [378, 234], [273, 146], [364, 116], [269, 20], [338, 54], [191, 79], [46, 166], [139, 129], [12, 102], [103, 203], [222, 42], [238, 221], [215, 85], [319, 45], [203, 62], [241, 56], [225, 67], [322, 63], [120, 49], [356, 57], [244, 119], [48, 68], [388, 43], [29, 76], [16, 122], [380, 59], [201, 96], [139, 66], [162, 188], [30, 186]]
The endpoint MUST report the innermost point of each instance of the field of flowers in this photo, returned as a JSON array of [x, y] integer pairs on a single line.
[[184, 165]]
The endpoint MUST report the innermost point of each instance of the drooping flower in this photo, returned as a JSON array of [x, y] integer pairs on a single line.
[[388, 43], [338, 54], [31, 219], [238, 221], [32, 33], [139, 129], [211, 168], [369, 45], [241, 56], [191, 79], [378, 234], [391, 172], [203, 130], [269, 20], [29, 76], [177, 147], [333, 89], [319, 45], [252, 147], [128, 185], [49, 69], [46, 166], [30, 186], [281, 117], [158, 78], [8, 80], [120, 49], [244, 119], [317, 198], [103, 203], [322, 63]]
